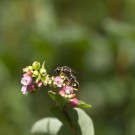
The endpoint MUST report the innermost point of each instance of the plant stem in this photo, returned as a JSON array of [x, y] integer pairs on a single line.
[[73, 129]]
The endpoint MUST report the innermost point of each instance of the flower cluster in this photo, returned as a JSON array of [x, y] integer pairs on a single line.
[[65, 89], [36, 76]]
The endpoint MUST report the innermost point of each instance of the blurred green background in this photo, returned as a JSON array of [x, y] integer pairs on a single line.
[[96, 38]]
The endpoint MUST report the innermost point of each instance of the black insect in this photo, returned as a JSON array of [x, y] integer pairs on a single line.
[[64, 70], [70, 77], [75, 85]]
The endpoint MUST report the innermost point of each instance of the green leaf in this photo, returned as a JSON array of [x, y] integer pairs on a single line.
[[82, 104], [57, 98], [81, 121], [52, 95], [60, 100], [57, 112], [49, 126], [77, 119]]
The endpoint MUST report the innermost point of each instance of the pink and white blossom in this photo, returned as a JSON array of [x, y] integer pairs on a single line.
[[58, 81], [68, 89], [26, 80], [39, 84]]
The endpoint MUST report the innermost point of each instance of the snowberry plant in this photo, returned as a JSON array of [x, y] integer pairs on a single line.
[[70, 118]]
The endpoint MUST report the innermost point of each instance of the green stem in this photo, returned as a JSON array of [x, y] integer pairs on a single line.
[[69, 121]]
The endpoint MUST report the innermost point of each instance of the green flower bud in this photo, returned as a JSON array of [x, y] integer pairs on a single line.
[[49, 81], [36, 65], [38, 78], [30, 68], [43, 72], [35, 73], [45, 79]]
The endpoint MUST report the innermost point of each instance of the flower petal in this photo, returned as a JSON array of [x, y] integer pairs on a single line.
[[24, 90]]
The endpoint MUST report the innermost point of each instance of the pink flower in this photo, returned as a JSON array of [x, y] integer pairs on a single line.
[[28, 74], [39, 84], [24, 90], [62, 92], [68, 89], [58, 81], [74, 102], [31, 88], [26, 80]]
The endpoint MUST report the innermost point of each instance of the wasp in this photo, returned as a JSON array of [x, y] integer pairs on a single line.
[[70, 77]]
